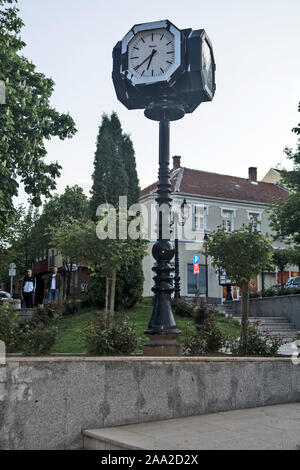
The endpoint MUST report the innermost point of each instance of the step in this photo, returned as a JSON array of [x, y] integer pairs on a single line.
[[264, 319], [277, 327], [247, 429], [269, 319]]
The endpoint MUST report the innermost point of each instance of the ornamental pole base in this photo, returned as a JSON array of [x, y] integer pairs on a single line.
[[162, 345]]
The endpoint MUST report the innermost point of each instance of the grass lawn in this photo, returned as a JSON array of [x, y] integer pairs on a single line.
[[70, 341]]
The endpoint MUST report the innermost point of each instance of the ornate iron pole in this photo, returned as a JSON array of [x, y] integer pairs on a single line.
[[162, 329]]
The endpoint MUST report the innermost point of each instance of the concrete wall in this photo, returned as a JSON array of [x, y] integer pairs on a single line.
[[283, 305], [46, 402]]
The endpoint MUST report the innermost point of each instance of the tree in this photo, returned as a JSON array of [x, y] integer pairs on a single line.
[[281, 258], [285, 215], [80, 242], [72, 204], [128, 158], [17, 244], [294, 256], [61, 208], [115, 175], [109, 178], [243, 254], [26, 120]]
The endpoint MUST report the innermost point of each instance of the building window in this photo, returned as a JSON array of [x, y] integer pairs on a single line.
[[196, 282], [198, 214], [227, 219], [255, 220]]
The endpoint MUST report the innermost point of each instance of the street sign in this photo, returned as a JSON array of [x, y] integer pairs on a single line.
[[196, 259], [196, 269], [12, 273]]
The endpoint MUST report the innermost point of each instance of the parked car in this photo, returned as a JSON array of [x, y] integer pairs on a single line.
[[292, 282], [4, 296]]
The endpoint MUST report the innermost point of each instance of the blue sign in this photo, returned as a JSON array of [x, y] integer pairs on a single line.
[[196, 259]]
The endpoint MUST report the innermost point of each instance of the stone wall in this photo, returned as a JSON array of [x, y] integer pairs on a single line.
[[46, 402], [283, 305]]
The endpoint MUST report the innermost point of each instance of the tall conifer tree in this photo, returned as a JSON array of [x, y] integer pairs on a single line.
[[115, 175]]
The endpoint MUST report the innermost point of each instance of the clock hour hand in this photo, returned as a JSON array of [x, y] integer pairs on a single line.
[[147, 58], [151, 57]]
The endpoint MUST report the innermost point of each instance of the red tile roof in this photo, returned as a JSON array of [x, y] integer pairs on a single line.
[[203, 183]]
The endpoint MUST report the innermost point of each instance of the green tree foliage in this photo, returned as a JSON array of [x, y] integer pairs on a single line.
[[110, 179], [294, 256], [128, 158], [243, 253], [26, 120], [18, 244], [80, 242], [285, 215], [281, 258], [115, 175], [72, 204]]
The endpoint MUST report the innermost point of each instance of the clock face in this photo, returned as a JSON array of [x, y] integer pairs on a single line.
[[151, 53], [207, 66]]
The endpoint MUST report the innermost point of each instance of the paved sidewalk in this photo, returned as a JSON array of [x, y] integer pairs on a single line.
[[269, 427]]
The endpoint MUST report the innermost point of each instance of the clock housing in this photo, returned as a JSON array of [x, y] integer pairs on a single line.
[[187, 81]]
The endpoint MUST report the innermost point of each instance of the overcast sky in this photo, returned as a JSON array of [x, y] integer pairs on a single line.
[[256, 47]]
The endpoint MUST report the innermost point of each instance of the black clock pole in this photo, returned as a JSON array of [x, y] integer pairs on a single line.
[[162, 330]]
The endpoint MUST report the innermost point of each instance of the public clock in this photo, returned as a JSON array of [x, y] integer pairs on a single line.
[[152, 52], [158, 65]]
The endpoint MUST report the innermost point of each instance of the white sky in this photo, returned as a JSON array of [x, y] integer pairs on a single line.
[[256, 47]]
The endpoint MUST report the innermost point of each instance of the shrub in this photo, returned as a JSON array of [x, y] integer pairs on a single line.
[[129, 287], [38, 340], [272, 292], [182, 308], [208, 338], [203, 312], [71, 306], [258, 343], [9, 326], [38, 334], [102, 339]]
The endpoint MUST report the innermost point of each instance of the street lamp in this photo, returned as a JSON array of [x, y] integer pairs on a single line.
[[175, 221], [167, 72]]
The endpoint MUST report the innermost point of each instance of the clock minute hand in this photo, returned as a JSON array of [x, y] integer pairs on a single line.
[[147, 58], [151, 57]]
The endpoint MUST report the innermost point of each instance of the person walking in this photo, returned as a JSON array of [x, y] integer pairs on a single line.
[[28, 288], [54, 285]]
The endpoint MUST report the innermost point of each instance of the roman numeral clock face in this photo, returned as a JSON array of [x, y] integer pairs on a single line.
[[151, 53]]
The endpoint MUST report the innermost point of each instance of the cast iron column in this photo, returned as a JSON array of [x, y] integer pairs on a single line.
[[176, 265], [162, 330]]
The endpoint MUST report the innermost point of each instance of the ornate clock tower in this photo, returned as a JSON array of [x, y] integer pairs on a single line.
[[167, 72]]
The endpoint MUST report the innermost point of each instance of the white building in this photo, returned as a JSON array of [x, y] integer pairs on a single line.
[[228, 201]]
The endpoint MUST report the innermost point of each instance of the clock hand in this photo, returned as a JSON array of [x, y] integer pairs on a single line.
[[151, 57], [147, 58]]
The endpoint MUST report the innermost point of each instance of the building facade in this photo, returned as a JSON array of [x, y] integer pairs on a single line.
[[76, 276], [226, 201]]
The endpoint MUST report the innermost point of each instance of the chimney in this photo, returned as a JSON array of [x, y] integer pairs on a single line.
[[252, 173], [176, 162]]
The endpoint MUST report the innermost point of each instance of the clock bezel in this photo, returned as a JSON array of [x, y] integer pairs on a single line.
[[164, 24]]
